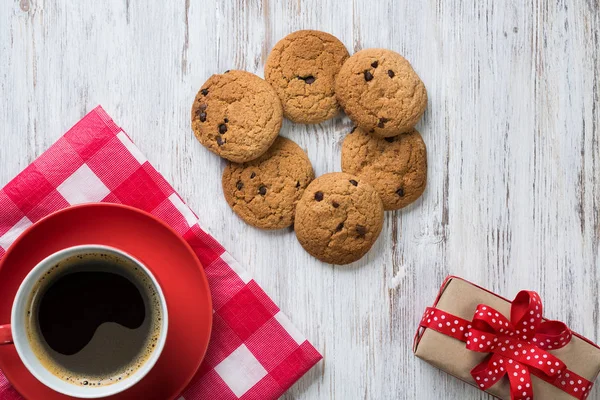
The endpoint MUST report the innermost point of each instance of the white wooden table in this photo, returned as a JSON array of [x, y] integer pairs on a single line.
[[513, 198]]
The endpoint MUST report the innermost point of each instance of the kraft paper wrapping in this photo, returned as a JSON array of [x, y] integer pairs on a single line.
[[461, 298]]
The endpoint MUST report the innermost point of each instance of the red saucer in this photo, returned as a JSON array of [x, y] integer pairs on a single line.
[[165, 253]]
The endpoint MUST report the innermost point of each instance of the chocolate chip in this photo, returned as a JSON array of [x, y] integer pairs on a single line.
[[225, 120], [339, 227], [400, 192], [262, 189], [353, 129], [220, 141], [391, 73], [390, 139], [319, 196], [204, 92], [361, 230], [203, 116], [335, 204], [352, 181], [368, 76], [298, 184], [202, 107], [374, 64], [308, 79], [372, 131], [252, 175], [382, 122], [239, 185], [222, 128]]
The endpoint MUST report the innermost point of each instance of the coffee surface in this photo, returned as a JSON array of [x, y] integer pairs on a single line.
[[68, 325], [94, 319]]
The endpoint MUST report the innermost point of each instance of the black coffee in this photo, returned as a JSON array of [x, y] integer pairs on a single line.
[[68, 326], [94, 319]]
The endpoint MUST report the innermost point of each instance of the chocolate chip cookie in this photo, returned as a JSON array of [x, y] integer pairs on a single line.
[[395, 166], [302, 68], [338, 218], [379, 90], [236, 115], [264, 192]]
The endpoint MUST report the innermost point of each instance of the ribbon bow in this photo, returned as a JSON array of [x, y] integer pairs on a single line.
[[517, 347]]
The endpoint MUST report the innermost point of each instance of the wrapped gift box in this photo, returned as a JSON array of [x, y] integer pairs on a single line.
[[472, 333]]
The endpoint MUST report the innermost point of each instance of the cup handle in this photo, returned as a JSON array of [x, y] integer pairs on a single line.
[[5, 335]]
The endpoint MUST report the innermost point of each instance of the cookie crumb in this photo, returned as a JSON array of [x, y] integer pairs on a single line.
[[397, 278]]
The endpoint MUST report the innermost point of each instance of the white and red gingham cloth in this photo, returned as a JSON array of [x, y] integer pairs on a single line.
[[255, 352]]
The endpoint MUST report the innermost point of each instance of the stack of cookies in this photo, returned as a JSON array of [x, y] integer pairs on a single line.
[[269, 182]]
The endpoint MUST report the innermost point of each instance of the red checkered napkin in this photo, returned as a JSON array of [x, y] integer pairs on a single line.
[[255, 351]]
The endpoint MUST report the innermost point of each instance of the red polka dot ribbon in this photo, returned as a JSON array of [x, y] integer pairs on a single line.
[[517, 346]]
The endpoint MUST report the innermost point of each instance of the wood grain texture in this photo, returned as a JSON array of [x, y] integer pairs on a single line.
[[513, 198]]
